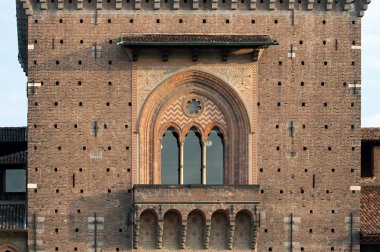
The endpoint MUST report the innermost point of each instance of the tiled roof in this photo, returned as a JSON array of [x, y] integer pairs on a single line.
[[14, 158], [197, 39], [13, 134], [370, 134], [370, 210]]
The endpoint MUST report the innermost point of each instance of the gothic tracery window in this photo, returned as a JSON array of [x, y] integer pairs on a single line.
[[194, 161]]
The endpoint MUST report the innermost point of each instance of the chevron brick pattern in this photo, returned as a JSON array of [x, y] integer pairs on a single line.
[[175, 114]]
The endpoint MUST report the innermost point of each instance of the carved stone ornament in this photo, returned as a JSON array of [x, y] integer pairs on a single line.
[[193, 106]]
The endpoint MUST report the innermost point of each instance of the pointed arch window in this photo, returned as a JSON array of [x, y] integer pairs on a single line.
[[215, 157], [194, 159], [170, 157]]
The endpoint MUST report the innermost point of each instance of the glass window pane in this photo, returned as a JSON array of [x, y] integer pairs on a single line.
[[192, 159], [15, 180], [169, 159], [214, 159]]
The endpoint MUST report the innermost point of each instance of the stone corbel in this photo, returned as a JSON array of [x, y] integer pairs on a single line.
[[310, 5], [364, 7], [233, 4], [137, 4], [329, 4], [291, 4], [214, 4], [195, 4], [118, 4], [156, 4], [79, 4], [347, 5], [43, 5], [253, 5], [99, 4], [175, 4], [272, 4], [60, 4]]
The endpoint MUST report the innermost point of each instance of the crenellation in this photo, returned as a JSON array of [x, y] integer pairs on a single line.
[[253, 4]]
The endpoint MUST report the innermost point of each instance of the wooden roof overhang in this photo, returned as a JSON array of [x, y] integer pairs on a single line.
[[228, 44]]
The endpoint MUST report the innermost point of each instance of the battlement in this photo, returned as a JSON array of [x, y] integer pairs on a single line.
[[354, 7]]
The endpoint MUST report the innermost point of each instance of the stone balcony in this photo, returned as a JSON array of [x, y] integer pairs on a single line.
[[215, 211]]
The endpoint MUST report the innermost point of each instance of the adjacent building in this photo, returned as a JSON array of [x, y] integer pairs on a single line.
[[13, 167]]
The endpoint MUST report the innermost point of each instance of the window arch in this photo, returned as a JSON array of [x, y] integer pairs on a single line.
[[192, 160], [215, 157], [219, 105], [170, 157], [192, 157]]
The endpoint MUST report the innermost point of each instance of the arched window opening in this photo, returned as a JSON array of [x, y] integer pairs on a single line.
[[215, 158], [192, 158], [219, 228], [148, 230], [172, 228], [242, 236], [169, 157], [195, 227]]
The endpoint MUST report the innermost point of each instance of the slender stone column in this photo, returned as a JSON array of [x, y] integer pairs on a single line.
[[204, 145], [182, 239], [181, 159]]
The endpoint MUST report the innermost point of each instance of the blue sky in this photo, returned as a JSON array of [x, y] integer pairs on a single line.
[[13, 101]]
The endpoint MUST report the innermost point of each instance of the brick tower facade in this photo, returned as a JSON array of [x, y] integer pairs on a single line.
[[275, 83]]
